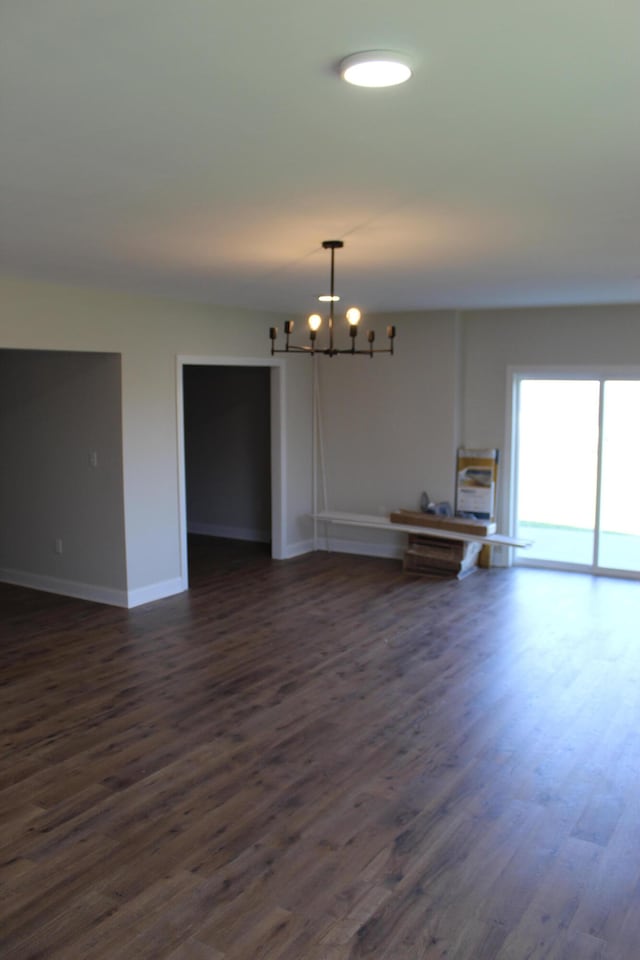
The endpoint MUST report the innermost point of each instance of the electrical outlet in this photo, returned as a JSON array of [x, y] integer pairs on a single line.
[[58, 546], [93, 458]]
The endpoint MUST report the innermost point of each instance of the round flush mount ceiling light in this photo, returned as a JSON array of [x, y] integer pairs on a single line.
[[376, 68]]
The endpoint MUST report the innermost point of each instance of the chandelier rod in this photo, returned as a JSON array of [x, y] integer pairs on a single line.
[[333, 255]]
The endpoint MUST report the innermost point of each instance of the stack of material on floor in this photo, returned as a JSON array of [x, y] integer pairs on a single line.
[[442, 558], [437, 556]]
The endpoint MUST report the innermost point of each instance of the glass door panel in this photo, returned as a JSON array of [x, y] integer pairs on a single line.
[[619, 537], [558, 468]]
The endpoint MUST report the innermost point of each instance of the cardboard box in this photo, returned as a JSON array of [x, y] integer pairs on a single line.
[[415, 518]]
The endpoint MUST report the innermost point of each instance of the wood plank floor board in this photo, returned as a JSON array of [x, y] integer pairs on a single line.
[[52, 932], [323, 759], [603, 908], [554, 904], [42, 897], [129, 919], [195, 950]]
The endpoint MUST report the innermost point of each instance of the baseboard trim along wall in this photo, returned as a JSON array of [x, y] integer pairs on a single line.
[[292, 550], [66, 588], [229, 533], [89, 591], [155, 591], [362, 548]]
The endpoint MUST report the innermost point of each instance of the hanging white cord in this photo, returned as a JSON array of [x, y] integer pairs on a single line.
[[320, 444], [314, 450]]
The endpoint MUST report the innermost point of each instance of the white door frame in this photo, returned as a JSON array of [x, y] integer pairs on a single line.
[[278, 449]]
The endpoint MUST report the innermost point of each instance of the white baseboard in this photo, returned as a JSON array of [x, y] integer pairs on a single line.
[[66, 588], [292, 550], [229, 533], [89, 591], [155, 591], [361, 548]]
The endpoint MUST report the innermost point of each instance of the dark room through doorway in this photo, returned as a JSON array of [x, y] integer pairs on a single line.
[[227, 457]]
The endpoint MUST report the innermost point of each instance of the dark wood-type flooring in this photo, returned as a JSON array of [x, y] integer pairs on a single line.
[[323, 759]]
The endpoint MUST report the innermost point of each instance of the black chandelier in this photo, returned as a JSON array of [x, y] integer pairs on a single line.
[[315, 321]]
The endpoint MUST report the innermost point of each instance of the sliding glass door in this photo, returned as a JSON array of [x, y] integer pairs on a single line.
[[619, 526], [577, 467]]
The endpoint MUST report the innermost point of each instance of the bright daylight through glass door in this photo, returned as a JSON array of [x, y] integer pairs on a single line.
[[619, 537], [577, 497], [558, 468]]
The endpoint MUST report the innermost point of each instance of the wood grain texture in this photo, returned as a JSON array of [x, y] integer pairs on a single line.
[[323, 759]]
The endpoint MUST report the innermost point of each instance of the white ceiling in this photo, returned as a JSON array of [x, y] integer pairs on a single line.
[[204, 149]]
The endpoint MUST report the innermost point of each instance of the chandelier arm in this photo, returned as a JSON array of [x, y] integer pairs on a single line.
[[331, 350], [293, 348], [368, 352]]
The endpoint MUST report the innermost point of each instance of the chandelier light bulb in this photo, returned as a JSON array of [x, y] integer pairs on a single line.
[[315, 321], [376, 68]]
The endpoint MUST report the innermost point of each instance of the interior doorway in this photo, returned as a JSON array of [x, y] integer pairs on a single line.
[[231, 450], [227, 451], [576, 467], [227, 448]]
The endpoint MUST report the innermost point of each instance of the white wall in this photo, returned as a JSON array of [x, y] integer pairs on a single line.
[[389, 424], [56, 411], [494, 342], [392, 425], [149, 333], [227, 451]]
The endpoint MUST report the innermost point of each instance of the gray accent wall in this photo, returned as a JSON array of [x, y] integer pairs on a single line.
[[61, 494], [151, 334]]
